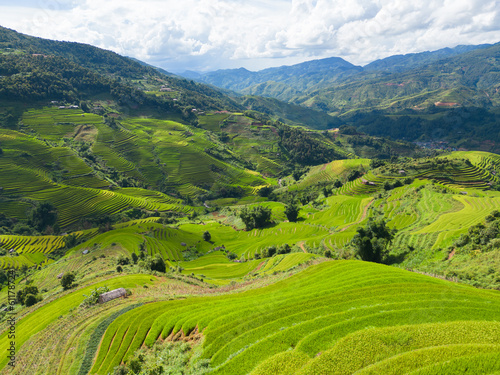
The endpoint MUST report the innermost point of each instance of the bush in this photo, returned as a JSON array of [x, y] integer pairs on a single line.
[[231, 256], [269, 252], [122, 260], [119, 269], [284, 249], [93, 297], [207, 236], [134, 258], [67, 280]]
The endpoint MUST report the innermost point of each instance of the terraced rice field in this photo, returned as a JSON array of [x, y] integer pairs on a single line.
[[39, 319], [353, 316], [451, 225], [33, 244], [53, 123], [166, 241], [343, 211], [330, 171]]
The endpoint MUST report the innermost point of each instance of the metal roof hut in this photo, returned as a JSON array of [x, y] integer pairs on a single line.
[[111, 295]]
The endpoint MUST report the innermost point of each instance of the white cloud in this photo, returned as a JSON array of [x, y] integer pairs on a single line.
[[211, 34]]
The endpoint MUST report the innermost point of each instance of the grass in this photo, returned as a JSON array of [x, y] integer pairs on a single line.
[[40, 318], [338, 302]]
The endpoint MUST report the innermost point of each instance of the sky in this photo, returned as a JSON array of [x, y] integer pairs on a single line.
[[206, 35]]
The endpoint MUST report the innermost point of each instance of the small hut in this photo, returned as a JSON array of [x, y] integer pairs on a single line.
[[111, 295]]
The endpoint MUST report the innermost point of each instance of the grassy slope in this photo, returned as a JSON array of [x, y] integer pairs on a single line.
[[338, 300]]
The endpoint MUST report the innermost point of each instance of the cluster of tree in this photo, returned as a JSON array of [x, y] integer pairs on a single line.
[[28, 296], [271, 251], [303, 149], [454, 124], [255, 217], [219, 190], [371, 241], [292, 212], [29, 78], [41, 219]]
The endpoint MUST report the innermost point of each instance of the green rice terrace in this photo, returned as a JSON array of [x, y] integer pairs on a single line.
[[155, 225], [219, 230]]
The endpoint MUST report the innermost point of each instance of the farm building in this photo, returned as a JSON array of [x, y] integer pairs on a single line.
[[111, 295]]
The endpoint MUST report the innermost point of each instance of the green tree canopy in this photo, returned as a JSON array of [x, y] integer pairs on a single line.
[[255, 217], [371, 241]]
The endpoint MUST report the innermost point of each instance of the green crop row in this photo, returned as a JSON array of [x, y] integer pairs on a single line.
[[43, 316], [337, 300]]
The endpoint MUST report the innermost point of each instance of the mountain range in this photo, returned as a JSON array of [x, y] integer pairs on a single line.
[[462, 75]]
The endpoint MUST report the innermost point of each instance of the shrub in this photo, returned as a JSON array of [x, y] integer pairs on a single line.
[[119, 269], [67, 280], [134, 258], [231, 256], [284, 249], [122, 260], [207, 236], [93, 297]]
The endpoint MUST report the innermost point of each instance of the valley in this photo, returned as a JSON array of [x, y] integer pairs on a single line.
[[246, 235]]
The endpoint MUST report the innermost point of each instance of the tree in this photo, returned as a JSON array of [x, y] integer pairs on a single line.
[[134, 258], [207, 236], [255, 217], [284, 249], [67, 280], [22, 294], [292, 212], [30, 300], [372, 240], [157, 264], [119, 269], [265, 191], [43, 215]]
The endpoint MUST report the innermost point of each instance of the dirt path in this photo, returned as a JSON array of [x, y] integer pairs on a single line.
[[363, 216], [301, 245]]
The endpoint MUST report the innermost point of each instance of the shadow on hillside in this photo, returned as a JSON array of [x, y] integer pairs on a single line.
[[396, 258]]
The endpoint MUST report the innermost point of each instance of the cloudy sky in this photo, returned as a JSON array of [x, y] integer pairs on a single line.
[[202, 35]]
